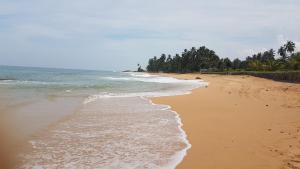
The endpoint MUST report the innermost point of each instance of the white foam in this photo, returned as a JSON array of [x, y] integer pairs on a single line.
[[187, 86], [190, 85], [144, 77], [98, 138], [179, 156], [68, 91], [105, 95], [140, 74], [91, 129], [173, 92]]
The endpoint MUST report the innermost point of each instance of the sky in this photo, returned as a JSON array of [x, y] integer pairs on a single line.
[[119, 34]]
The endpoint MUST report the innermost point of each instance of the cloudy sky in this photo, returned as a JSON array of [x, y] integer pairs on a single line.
[[118, 34]]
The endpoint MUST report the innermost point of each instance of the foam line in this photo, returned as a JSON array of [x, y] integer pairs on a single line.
[[179, 156]]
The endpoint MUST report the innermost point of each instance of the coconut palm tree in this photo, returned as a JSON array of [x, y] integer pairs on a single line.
[[282, 52], [290, 46]]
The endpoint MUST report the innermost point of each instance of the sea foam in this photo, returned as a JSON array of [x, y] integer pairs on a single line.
[[121, 130], [153, 79]]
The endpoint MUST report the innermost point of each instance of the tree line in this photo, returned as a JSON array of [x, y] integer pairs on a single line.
[[204, 59]]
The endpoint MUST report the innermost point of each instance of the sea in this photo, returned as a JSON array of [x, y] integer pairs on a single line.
[[94, 119]]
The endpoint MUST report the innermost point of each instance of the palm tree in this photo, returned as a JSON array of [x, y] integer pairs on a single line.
[[140, 68], [282, 52], [290, 47]]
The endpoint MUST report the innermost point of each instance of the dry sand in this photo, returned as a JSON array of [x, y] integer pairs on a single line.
[[240, 122]]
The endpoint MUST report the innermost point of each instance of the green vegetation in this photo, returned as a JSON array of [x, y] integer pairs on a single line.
[[263, 64], [204, 59]]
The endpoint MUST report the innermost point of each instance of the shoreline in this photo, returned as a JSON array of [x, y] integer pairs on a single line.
[[239, 122], [180, 155]]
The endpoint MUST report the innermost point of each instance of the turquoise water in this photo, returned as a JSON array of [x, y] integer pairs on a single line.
[[66, 81], [98, 119]]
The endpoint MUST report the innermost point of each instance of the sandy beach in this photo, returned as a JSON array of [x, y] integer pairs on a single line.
[[239, 122]]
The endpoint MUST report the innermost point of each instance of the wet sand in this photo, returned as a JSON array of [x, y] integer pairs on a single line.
[[8, 138], [239, 122], [19, 121]]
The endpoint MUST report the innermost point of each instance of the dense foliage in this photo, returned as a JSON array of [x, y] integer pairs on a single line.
[[206, 60]]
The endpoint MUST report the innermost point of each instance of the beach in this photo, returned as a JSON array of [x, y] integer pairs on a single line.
[[59, 118], [63, 118], [239, 122]]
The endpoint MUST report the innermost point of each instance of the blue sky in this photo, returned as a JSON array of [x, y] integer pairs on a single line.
[[118, 34]]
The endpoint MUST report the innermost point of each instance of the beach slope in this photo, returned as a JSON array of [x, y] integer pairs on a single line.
[[239, 122]]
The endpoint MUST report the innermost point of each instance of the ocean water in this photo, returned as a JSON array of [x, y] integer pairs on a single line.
[[94, 119]]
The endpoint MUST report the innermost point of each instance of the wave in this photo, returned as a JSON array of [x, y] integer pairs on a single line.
[[132, 141], [7, 79], [191, 84], [106, 95], [29, 82], [109, 135], [174, 92], [179, 156], [152, 79], [137, 74]]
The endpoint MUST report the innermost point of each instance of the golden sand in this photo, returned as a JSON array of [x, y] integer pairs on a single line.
[[239, 122]]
